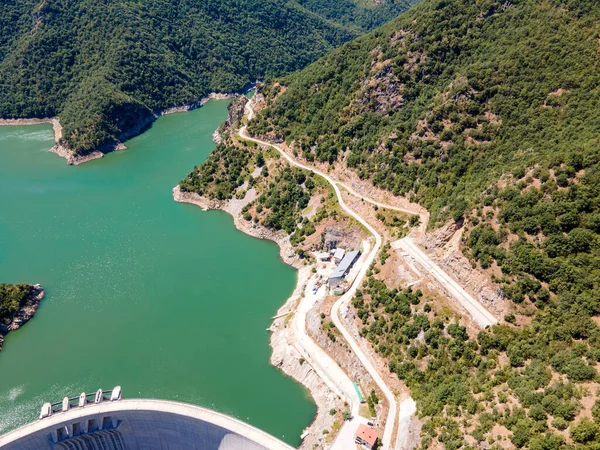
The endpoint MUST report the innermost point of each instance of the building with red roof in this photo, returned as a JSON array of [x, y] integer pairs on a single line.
[[366, 436]]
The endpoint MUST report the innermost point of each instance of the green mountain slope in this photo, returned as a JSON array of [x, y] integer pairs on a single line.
[[448, 97], [364, 15], [488, 113], [103, 66]]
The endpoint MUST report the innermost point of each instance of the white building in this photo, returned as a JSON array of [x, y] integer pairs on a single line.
[[338, 255]]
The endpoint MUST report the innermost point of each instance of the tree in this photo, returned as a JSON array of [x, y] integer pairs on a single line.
[[596, 411], [12, 297], [259, 159], [584, 431], [102, 84], [414, 220], [578, 370], [536, 412], [521, 434], [549, 441]]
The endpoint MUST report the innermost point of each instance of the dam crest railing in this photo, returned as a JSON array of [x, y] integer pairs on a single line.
[[81, 401]]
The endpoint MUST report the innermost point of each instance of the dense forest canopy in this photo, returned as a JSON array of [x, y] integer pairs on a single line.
[[488, 113], [13, 297], [103, 66], [451, 95], [364, 15]]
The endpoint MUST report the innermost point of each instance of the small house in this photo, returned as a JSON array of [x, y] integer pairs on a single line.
[[324, 256], [338, 255], [366, 436]]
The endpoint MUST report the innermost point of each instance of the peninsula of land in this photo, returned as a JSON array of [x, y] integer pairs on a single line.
[[116, 63], [18, 304], [74, 158]]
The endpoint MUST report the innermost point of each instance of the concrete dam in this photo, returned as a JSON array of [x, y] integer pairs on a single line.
[[110, 423]]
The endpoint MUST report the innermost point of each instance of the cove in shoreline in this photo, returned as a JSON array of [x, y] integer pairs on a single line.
[[73, 158], [284, 356]]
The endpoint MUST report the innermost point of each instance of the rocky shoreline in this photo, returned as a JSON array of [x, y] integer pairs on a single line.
[[74, 159], [233, 207], [23, 315], [285, 356], [235, 112]]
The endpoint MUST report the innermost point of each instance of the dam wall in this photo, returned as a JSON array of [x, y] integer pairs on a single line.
[[134, 424]]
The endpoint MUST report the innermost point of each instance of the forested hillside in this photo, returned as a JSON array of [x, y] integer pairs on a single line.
[[364, 15], [487, 113], [450, 96], [104, 66]]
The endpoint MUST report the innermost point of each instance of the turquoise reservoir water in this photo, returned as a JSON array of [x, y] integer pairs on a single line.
[[161, 298]]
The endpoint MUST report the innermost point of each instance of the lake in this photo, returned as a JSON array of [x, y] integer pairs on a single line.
[[159, 297]]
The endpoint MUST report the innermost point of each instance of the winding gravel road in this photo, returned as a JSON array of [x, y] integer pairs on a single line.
[[479, 313], [345, 299]]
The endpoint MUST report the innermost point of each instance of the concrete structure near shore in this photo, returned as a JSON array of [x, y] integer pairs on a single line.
[[139, 424]]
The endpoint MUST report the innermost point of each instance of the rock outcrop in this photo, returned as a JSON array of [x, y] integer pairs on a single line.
[[444, 245], [235, 112]]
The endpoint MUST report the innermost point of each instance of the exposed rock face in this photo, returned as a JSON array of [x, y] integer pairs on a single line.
[[456, 264], [336, 237], [272, 138], [381, 93], [258, 101], [443, 245], [440, 237], [73, 159], [24, 314], [235, 111]]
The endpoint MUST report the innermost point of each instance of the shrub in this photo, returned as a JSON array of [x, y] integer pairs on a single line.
[[584, 431]]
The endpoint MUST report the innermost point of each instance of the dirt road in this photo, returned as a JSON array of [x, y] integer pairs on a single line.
[[329, 371], [477, 311], [344, 300]]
